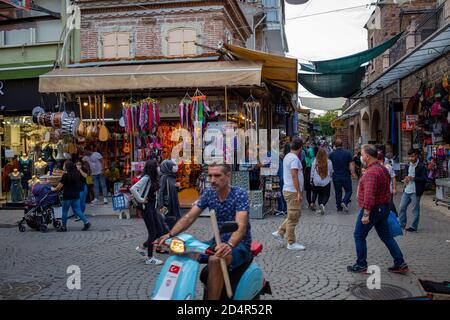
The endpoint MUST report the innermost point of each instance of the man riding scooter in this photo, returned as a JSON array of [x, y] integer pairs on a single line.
[[230, 204]]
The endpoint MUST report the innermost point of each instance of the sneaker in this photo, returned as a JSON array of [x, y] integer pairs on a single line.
[[105, 201], [153, 261], [295, 246], [411, 229], [399, 269], [77, 219], [86, 227], [141, 251], [94, 202], [278, 236], [62, 229], [357, 269], [322, 209], [344, 206], [312, 207], [280, 213]]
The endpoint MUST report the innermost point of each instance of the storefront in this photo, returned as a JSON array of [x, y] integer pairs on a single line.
[[426, 126], [20, 139], [144, 104]]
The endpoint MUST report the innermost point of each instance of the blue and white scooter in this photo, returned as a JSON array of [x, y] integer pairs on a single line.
[[178, 276]]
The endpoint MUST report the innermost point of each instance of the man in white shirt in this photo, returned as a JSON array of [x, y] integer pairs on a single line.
[[414, 188], [95, 161], [292, 192]]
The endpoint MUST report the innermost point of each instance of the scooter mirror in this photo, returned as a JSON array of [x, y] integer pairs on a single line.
[[228, 227]]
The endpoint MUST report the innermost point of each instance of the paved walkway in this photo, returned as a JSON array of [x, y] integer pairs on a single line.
[[33, 265]]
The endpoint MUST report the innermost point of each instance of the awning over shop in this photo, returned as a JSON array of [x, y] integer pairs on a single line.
[[169, 75], [24, 70], [437, 45], [346, 116], [277, 70]]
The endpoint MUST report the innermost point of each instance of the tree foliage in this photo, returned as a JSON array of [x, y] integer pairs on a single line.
[[324, 123]]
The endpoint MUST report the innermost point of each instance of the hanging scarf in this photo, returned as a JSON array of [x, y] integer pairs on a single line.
[[154, 118], [181, 106], [158, 119], [150, 118], [200, 112]]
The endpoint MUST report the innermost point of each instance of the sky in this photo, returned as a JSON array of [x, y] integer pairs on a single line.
[[326, 36]]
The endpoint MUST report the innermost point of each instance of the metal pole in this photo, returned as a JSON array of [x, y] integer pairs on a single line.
[[254, 29], [399, 126]]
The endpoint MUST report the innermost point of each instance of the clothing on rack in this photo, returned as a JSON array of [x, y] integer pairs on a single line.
[[16, 187]]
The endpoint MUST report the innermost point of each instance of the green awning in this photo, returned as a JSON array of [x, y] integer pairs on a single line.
[[24, 70], [333, 85], [350, 63]]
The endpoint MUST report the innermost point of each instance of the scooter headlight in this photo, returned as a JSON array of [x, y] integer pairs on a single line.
[[177, 246]]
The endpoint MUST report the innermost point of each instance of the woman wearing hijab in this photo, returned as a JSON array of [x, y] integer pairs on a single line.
[[144, 192], [168, 193]]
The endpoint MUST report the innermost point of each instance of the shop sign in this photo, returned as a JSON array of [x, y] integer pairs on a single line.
[[9, 153], [411, 121], [337, 124], [404, 127]]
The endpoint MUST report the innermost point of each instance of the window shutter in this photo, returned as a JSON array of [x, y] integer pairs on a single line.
[[109, 45], [123, 44], [189, 41], [181, 42]]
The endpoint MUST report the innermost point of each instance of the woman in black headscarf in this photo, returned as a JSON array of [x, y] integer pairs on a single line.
[[168, 193]]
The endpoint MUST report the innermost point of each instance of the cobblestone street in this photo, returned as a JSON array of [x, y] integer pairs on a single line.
[[33, 265]]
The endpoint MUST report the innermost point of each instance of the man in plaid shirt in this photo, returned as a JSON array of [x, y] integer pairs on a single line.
[[373, 198]]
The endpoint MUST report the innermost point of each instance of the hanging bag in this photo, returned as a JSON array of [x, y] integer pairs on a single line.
[[436, 109], [394, 225], [165, 204]]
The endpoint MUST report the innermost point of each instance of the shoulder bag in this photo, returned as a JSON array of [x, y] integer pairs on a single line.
[[165, 208]]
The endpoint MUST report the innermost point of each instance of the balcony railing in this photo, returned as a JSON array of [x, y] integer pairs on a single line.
[[425, 27]]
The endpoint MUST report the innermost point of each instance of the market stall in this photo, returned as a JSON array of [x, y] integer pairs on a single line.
[[426, 127], [150, 102]]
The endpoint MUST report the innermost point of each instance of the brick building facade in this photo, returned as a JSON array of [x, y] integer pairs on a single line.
[[367, 119], [152, 29]]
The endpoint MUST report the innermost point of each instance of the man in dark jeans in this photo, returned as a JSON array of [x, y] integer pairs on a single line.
[[344, 169], [373, 197]]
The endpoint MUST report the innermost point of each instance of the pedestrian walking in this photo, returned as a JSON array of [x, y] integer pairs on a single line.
[[292, 191], [83, 169], [309, 159], [71, 185], [168, 203], [95, 161], [373, 199], [358, 164], [393, 180], [414, 188], [144, 193], [321, 173], [344, 170], [281, 202]]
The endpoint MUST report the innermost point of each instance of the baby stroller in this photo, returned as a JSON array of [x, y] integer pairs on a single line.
[[41, 214]]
